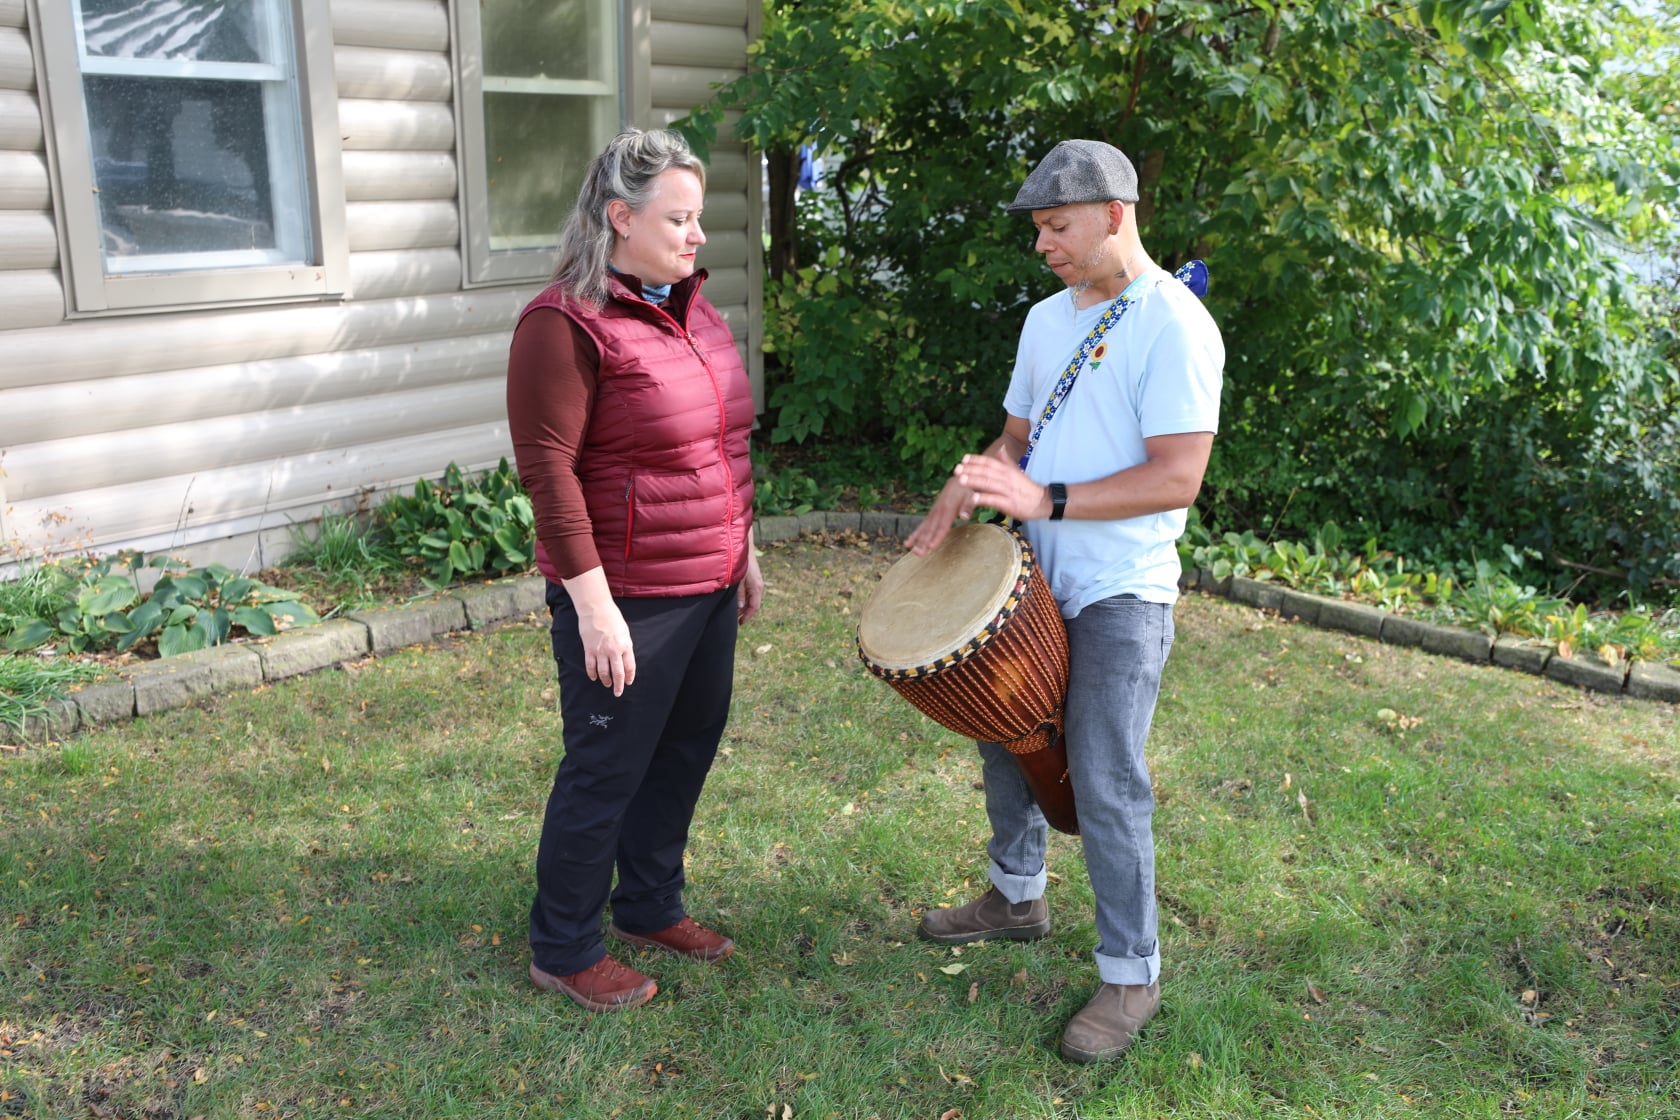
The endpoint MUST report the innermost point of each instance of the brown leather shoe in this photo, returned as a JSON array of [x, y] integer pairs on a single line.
[[987, 917], [1110, 1022], [688, 938], [605, 985]]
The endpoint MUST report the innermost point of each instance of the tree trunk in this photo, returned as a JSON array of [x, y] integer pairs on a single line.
[[783, 166]]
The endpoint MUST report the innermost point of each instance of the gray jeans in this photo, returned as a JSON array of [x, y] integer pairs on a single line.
[[1117, 648]]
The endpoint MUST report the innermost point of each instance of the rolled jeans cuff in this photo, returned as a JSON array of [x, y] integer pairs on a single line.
[[1127, 970], [1018, 888]]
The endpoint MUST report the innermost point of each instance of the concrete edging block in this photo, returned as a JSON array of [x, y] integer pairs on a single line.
[[1587, 672], [1650, 680], [60, 720], [1207, 581], [175, 682], [842, 522], [489, 603], [1353, 618], [878, 524], [1452, 641], [104, 701], [1299, 604], [312, 647], [767, 530], [395, 628], [816, 521], [1515, 653], [1256, 593], [1399, 631]]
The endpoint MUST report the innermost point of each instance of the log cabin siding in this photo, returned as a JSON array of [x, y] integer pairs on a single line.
[[208, 431]]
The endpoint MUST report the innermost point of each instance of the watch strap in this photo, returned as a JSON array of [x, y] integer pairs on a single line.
[[1058, 500]]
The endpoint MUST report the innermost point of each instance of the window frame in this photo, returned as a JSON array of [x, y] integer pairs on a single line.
[[91, 288], [480, 265]]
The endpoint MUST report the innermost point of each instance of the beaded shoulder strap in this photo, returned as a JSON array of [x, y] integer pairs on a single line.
[[1192, 274]]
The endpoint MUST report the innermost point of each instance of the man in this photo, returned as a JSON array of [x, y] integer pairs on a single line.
[[1103, 499]]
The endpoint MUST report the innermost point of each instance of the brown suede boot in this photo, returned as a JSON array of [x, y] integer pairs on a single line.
[[1110, 1022], [987, 917]]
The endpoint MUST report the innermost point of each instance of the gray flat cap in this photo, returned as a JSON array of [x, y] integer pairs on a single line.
[[1078, 171]]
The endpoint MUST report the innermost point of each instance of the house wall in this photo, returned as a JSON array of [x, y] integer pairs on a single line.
[[208, 433]]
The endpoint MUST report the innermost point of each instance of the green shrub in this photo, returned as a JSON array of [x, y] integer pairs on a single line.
[[346, 560], [1488, 595], [97, 604], [461, 526]]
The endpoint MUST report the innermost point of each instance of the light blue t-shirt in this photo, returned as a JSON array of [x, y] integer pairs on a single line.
[[1157, 372]]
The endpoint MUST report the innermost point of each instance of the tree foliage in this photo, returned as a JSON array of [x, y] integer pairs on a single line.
[[1418, 218]]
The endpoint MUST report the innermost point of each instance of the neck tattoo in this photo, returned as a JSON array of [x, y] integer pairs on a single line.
[[1125, 277]]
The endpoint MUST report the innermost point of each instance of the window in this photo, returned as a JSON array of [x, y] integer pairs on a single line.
[[539, 96], [197, 151]]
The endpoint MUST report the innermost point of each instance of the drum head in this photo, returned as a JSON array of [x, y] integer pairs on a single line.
[[926, 607]]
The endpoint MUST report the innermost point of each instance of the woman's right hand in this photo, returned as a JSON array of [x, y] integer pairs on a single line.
[[608, 654]]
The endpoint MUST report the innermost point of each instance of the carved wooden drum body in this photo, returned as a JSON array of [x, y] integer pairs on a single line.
[[970, 635]]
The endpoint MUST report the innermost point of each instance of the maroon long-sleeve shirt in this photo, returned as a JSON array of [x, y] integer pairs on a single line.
[[552, 370]]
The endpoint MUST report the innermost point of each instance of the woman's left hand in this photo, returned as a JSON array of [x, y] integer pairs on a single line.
[[750, 594]]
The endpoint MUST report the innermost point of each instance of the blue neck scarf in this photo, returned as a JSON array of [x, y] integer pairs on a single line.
[[653, 293]]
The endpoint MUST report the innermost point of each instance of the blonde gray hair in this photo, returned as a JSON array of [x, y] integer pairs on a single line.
[[625, 172]]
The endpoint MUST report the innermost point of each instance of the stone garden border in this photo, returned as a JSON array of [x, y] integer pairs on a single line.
[[174, 682]]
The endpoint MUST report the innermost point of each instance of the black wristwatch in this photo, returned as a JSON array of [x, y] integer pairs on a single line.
[[1058, 500]]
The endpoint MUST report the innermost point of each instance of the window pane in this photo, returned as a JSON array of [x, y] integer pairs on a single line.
[[185, 30], [537, 149], [547, 39], [182, 166]]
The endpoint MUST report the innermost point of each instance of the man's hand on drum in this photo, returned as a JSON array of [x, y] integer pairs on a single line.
[[1003, 486], [958, 500], [955, 502]]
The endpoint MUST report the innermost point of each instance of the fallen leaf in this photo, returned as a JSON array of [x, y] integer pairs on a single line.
[[1316, 993], [953, 969], [974, 991], [1019, 978]]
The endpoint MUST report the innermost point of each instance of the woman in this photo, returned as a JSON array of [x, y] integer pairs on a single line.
[[630, 412]]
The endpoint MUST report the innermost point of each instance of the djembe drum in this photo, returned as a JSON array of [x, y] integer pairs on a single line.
[[971, 636]]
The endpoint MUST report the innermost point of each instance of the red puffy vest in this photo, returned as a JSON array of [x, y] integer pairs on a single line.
[[664, 464]]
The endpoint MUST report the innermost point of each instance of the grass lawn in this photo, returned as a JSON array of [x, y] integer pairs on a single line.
[[1391, 885]]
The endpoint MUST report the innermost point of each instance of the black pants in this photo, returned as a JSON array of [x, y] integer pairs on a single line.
[[624, 793]]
